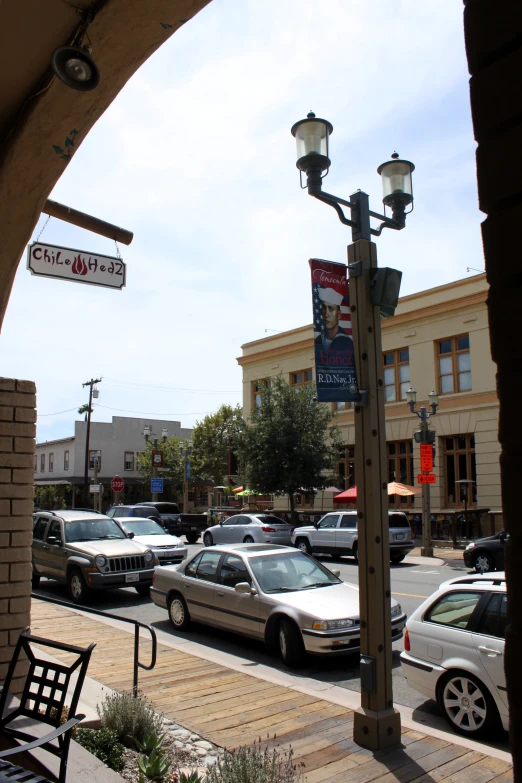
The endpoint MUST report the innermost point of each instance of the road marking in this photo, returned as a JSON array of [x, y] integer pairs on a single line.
[[410, 595], [424, 572]]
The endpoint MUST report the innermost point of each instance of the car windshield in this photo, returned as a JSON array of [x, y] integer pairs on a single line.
[[143, 528], [290, 571], [398, 520], [92, 530]]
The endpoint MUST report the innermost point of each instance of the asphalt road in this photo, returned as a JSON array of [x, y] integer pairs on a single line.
[[411, 584]]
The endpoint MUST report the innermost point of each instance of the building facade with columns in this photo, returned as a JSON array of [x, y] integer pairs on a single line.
[[438, 339]]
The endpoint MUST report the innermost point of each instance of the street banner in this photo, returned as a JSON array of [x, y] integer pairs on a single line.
[[335, 375], [78, 266]]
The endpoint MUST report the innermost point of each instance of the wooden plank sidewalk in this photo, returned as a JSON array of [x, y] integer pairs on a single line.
[[231, 709]]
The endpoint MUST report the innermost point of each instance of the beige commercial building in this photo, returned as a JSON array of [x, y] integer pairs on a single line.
[[438, 339]]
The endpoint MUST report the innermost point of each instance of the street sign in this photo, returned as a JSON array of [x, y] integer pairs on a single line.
[[426, 457], [426, 478], [65, 263], [94, 487], [117, 484], [156, 485], [157, 458]]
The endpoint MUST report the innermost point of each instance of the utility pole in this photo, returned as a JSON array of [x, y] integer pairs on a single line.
[[90, 384]]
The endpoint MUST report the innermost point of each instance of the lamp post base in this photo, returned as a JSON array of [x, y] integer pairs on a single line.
[[376, 730], [426, 551]]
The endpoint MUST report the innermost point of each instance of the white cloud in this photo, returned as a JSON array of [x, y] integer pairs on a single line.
[[196, 157]]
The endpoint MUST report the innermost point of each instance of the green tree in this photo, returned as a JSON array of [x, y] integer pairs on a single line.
[[211, 439], [292, 444], [173, 461]]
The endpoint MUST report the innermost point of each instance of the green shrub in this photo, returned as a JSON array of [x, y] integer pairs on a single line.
[[103, 744], [254, 765], [132, 718], [193, 777], [155, 766]]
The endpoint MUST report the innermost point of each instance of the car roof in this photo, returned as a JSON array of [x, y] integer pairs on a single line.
[[135, 519], [72, 516], [478, 581], [252, 550]]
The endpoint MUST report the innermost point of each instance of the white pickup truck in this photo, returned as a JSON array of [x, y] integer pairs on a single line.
[[336, 534]]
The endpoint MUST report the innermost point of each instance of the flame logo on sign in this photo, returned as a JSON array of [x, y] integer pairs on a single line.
[[79, 267]]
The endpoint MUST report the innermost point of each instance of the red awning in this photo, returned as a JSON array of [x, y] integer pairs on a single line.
[[348, 496]]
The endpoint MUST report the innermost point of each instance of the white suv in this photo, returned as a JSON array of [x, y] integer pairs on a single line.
[[337, 534], [454, 652]]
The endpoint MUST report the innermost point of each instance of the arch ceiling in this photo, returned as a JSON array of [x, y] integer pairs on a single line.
[[43, 122]]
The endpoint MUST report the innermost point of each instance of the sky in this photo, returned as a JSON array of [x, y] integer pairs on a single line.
[[195, 156]]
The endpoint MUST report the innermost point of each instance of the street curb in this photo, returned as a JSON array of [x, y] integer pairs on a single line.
[[333, 694]]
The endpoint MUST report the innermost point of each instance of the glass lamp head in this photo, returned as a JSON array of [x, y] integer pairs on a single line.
[[312, 141]]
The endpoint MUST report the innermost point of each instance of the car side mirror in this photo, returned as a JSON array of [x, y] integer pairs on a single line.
[[131, 534], [245, 588], [52, 540], [221, 525], [336, 572]]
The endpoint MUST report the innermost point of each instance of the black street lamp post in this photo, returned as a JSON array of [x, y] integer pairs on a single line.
[[374, 293], [424, 436]]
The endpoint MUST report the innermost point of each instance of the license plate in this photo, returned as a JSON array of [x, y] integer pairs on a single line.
[[132, 577], [193, 528], [399, 536]]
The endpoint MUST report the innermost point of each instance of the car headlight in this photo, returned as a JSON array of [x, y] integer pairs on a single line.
[[334, 625], [100, 561], [396, 610], [470, 545], [149, 556]]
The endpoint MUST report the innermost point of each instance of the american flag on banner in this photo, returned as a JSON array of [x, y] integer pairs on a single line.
[[336, 378], [345, 321]]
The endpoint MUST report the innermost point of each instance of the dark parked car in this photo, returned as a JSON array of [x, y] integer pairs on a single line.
[[169, 514], [486, 554]]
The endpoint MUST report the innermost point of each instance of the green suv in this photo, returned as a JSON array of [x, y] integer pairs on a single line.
[[88, 551]]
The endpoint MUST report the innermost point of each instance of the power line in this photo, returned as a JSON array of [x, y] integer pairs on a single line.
[[132, 384], [40, 415], [150, 413]]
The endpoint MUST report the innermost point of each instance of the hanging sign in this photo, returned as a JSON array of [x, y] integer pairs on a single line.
[[426, 457], [64, 263], [426, 478], [335, 375], [157, 458]]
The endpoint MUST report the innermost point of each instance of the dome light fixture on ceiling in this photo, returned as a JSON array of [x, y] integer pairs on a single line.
[[75, 67]]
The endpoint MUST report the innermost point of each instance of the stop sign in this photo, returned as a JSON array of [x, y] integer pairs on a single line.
[[117, 484]]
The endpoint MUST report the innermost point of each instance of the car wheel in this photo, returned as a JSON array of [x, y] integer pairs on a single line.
[[355, 552], [248, 540], [192, 537], [178, 613], [397, 558], [207, 539], [290, 643], [483, 562], [78, 590], [467, 704], [143, 590], [303, 545], [35, 580]]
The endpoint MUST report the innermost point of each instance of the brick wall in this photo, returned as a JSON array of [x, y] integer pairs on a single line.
[[17, 448]]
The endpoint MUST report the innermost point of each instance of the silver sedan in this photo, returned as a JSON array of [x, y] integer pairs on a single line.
[[273, 593], [249, 529]]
